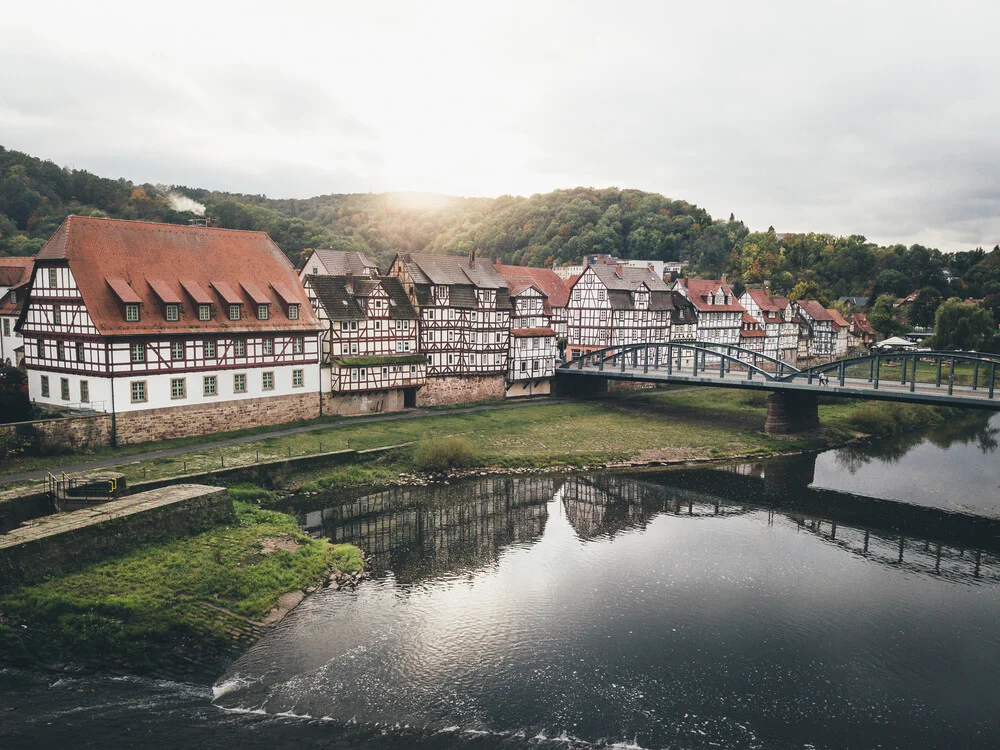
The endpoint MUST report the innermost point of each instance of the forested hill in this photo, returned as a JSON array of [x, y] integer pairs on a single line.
[[553, 228]]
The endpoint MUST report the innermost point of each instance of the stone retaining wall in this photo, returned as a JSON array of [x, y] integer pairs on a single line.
[[67, 541], [368, 402], [449, 390]]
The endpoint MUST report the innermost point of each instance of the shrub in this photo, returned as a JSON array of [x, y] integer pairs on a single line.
[[248, 493], [885, 418], [441, 454]]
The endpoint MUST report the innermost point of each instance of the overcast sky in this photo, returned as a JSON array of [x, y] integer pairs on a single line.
[[877, 118]]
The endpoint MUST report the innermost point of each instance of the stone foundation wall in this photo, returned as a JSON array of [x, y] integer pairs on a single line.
[[462, 390], [202, 419], [367, 402], [621, 386], [63, 435]]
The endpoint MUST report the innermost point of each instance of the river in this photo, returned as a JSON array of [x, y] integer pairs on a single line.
[[826, 601]]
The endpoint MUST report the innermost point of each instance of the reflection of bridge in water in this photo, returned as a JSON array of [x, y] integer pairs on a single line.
[[424, 531]]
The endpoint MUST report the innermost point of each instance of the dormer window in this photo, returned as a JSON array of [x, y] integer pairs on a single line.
[[261, 312], [173, 313], [293, 312], [234, 312], [204, 312], [132, 313]]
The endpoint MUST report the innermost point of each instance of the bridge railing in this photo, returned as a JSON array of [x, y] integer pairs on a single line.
[[684, 358], [977, 370]]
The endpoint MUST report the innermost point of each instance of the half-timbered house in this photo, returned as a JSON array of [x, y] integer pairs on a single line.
[[862, 329], [14, 275], [545, 280], [768, 312], [174, 330], [617, 305], [369, 339], [752, 335], [337, 263], [533, 351], [464, 309], [820, 327], [720, 315], [843, 340], [788, 331]]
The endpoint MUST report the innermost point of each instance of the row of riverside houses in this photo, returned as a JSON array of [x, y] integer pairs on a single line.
[[177, 330]]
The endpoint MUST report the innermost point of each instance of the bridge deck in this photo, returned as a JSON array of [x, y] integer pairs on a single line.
[[888, 390]]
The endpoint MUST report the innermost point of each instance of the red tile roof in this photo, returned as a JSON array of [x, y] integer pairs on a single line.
[[838, 319], [752, 333], [14, 273], [764, 300], [814, 309], [699, 289], [184, 260], [164, 292], [532, 332], [543, 279]]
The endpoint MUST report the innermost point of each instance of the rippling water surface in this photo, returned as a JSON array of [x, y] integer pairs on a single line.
[[744, 607]]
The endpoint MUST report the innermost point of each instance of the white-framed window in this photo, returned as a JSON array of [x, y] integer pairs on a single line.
[[6, 326], [344, 325], [385, 372], [56, 315], [13, 297], [364, 374], [204, 312], [354, 325], [79, 351], [84, 392], [406, 346], [261, 312], [267, 380], [413, 369], [399, 346], [234, 312], [268, 347], [430, 359], [524, 366], [240, 348], [176, 350], [178, 388], [354, 376], [378, 325], [45, 386], [576, 295], [138, 389], [298, 345], [209, 348], [53, 278], [240, 382], [60, 350], [430, 336], [64, 388], [173, 313], [40, 348], [138, 352], [132, 313], [293, 312], [354, 348], [210, 385], [298, 379], [378, 304]]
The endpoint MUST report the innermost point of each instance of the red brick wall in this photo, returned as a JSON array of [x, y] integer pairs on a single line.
[[462, 390]]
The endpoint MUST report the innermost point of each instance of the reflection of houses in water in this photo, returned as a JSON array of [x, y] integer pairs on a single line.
[[919, 556], [418, 531], [603, 505]]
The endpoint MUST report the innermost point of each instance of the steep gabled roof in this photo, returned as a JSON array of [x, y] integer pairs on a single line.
[[699, 289], [764, 300], [838, 319], [103, 252], [543, 279], [15, 270], [628, 279], [339, 262], [446, 270], [813, 309], [340, 303]]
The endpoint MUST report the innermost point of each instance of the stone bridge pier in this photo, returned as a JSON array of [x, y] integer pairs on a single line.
[[791, 412]]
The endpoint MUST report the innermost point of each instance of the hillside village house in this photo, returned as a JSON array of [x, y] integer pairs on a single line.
[[555, 290], [768, 311], [14, 275], [617, 305], [464, 310], [533, 352], [174, 330], [843, 340], [862, 329], [369, 339], [819, 327], [720, 315], [752, 336]]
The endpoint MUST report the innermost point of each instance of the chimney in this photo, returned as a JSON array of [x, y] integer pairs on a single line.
[[472, 258], [349, 281], [618, 271]]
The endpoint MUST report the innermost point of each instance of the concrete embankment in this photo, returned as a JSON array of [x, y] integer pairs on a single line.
[[65, 541]]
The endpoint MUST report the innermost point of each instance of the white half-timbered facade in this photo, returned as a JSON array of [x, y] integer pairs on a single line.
[[14, 275], [619, 305], [767, 311], [720, 315], [370, 335], [464, 313], [545, 280], [533, 351], [819, 325], [126, 316]]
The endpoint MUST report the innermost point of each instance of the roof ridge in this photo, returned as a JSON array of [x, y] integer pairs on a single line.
[[146, 222]]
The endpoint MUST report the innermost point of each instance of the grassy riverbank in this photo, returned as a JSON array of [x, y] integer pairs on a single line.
[[175, 608], [666, 425]]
